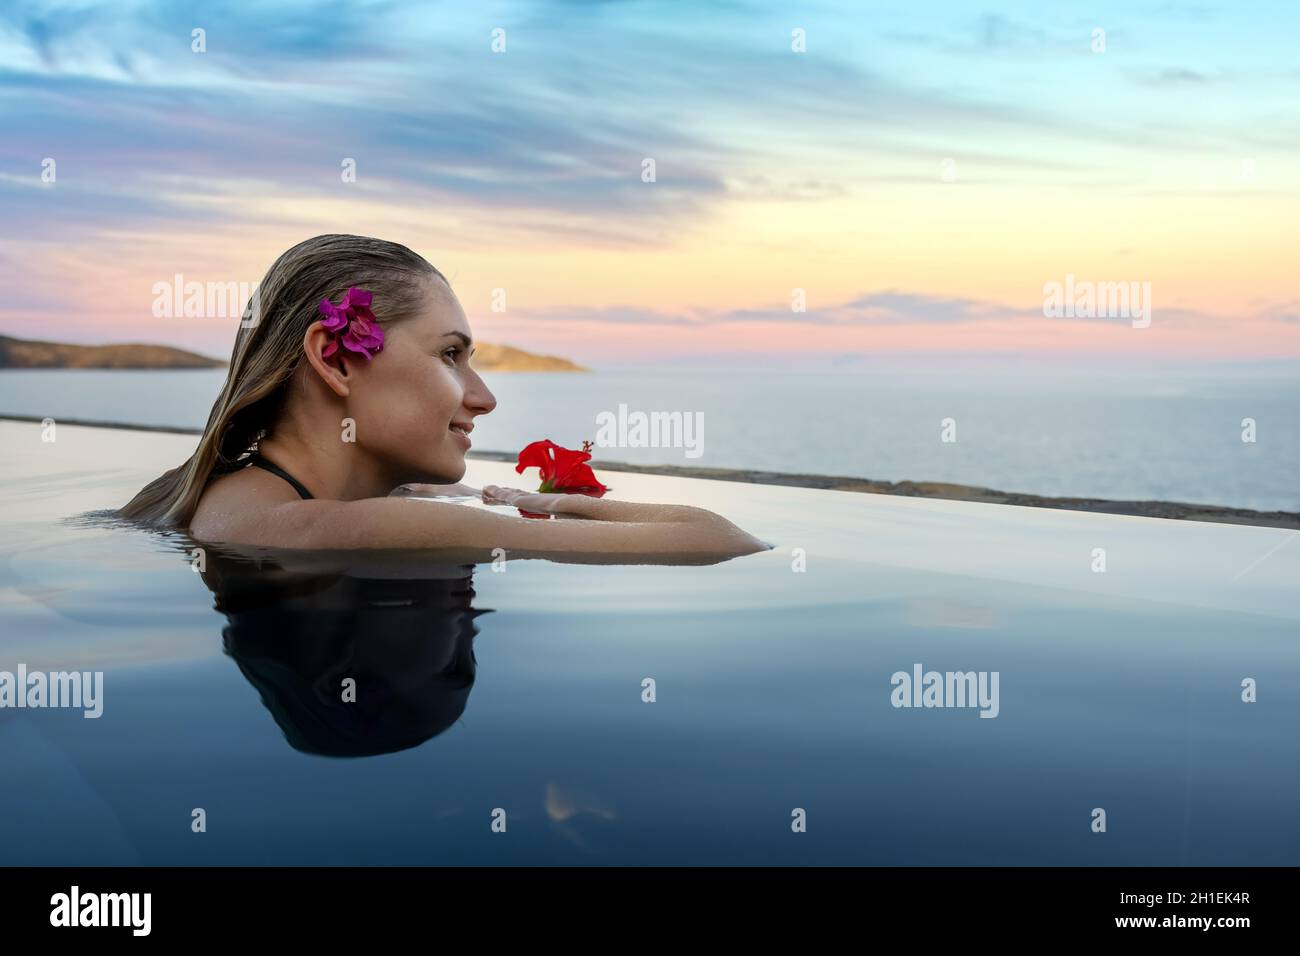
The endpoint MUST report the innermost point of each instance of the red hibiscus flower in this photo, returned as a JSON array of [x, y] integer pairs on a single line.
[[563, 469]]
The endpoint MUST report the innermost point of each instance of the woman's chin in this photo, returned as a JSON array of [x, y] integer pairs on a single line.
[[447, 470], [451, 471]]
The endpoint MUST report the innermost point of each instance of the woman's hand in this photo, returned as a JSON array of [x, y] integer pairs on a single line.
[[538, 502]]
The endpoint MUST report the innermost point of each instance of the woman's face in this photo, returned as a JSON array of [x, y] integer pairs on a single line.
[[415, 402]]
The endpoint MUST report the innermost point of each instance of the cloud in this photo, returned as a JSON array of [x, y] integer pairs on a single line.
[[1175, 76], [998, 33], [888, 307], [765, 188], [557, 126], [1283, 311], [892, 307]]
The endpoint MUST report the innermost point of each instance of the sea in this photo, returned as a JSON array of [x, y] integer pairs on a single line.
[[1209, 434]]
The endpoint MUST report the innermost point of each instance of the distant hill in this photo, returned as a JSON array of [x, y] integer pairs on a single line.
[[506, 358], [23, 353]]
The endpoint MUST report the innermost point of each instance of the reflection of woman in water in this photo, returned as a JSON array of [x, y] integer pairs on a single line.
[[351, 663], [350, 377]]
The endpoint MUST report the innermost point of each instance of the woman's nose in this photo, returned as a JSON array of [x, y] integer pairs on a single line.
[[478, 397]]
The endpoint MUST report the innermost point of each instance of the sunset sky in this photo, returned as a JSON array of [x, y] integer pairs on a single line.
[[922, 170]]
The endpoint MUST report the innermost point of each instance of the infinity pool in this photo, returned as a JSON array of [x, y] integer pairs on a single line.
[[505, 716]]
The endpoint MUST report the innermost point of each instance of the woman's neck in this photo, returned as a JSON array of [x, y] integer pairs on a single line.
[[330, 467]]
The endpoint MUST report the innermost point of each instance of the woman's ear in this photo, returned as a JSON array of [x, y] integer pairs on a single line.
[[333, 371]]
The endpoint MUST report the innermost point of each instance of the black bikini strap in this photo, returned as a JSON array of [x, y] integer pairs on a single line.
[[260, 462]]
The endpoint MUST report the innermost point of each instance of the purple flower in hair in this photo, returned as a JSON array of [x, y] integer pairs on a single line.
[[352, 324]]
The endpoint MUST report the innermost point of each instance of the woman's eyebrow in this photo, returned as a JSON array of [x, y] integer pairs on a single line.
[[465, 339]]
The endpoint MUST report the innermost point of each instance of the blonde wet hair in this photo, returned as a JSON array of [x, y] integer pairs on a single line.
[[269, 350]]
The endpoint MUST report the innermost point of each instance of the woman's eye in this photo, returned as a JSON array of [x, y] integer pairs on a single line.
[[451, 353]]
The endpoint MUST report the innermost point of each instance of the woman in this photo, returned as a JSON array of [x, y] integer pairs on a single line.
[[351, 377]]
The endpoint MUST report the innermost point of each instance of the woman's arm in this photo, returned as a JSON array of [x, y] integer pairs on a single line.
[[596, 509], [587, 526]]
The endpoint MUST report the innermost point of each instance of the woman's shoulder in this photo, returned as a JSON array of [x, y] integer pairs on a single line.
[[237, 502]]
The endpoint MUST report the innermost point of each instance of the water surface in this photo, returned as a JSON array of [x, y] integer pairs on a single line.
[[522, 690]]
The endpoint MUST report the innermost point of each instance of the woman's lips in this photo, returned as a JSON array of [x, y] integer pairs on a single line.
[[462, 433]]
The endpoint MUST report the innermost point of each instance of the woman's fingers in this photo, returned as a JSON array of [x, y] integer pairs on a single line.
[[497, 494], [525, 500], [434, 491]]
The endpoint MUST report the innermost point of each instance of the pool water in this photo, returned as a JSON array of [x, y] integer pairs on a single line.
[[504, 715]]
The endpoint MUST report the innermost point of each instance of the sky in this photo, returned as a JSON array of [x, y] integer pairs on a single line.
[[914, 175]]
